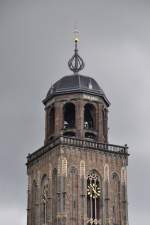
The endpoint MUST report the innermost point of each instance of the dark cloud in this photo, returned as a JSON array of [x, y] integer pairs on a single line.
[[35, 44]]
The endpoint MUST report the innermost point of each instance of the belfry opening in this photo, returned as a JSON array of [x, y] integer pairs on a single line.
[[69, 115], [89, 116]]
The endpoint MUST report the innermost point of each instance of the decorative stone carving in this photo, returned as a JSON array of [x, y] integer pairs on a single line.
[[82, 168]]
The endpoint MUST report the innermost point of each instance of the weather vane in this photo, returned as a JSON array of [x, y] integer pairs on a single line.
[[76, 63]]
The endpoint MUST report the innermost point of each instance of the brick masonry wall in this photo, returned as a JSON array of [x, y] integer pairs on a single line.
[[93, 159], [79, 100]]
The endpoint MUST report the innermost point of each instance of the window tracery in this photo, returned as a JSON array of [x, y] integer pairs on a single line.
[[34, 201], [44, 199], [55, 197], [116, 199], [94, 198], [74, 194], [106, 191], [124, 194]]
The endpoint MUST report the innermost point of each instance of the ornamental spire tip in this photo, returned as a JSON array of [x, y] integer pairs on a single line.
[[76, 63]]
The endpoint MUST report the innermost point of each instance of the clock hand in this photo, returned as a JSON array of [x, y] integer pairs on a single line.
[[94, 190]]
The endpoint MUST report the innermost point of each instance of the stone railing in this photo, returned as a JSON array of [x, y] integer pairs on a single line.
[[62, 140], [92, 144]]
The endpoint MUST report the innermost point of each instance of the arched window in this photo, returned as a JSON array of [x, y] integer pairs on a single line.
[[74, 195], [69, 115], [51, 121], [82, 168], [44, 199], [89, 116], [94, 198], [106, 193], [116, 199], [82, 189], [124, 194], [34, 201]]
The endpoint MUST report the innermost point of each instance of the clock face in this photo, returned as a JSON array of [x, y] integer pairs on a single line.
[[93, 190]]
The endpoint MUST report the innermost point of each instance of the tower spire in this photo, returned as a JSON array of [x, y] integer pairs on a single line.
[[76, 63]]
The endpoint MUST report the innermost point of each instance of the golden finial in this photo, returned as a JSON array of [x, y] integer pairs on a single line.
[[76, 34]]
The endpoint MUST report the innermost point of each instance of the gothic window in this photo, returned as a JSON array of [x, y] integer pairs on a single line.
[[82, 168], [69, 115], [34, 201], [74, 195], [94, 198], [62, 166], [51, 121], [82, 188], [89, 116], [123, 191], [106, 180], [106, 200], [55, 197], [116, 199], [106, 191], [123, 183], [63, 197], [44, 200]]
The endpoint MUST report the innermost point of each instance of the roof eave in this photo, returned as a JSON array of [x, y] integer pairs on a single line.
[[77, 91]]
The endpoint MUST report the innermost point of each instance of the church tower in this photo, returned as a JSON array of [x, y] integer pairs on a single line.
[[77, 177]]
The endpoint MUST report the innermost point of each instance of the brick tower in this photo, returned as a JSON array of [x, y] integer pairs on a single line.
[[77, 178]]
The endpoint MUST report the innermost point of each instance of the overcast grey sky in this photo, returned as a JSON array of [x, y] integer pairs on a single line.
[[36, 42]]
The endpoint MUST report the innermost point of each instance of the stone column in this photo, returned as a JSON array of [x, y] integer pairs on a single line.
[[80, 119], [49, 195], [38, 203], [124, 198], [82, 194], [100, 123], [106, 203], [105, 125], [58, 118], [46, 127], [29, 201]]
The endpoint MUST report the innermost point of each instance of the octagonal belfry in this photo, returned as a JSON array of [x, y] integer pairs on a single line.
[[77, 178], [76, 106]]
